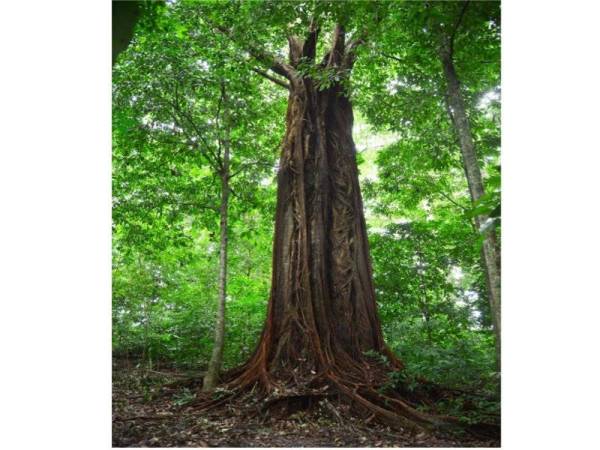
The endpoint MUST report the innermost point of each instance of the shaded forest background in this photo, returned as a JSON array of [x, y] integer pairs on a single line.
[[426, 242]]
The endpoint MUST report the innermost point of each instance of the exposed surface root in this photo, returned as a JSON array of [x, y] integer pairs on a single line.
[[368, 395], [157, 417]]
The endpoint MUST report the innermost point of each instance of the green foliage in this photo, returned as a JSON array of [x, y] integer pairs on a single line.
[[426, 251], [167, 130]]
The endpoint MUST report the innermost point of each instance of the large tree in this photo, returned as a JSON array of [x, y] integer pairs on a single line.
[[322, 335]]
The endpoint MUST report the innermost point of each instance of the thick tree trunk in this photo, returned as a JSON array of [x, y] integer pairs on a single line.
[[322, 334], [214, 366], [490, 255], [322, 306], [322, 298]]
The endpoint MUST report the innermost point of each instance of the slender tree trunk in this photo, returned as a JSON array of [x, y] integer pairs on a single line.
[[214, 366], [147, 356], [460, 120], [423, 303]]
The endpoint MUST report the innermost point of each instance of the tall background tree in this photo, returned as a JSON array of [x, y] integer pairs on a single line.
[[199, 121], [445, 123]]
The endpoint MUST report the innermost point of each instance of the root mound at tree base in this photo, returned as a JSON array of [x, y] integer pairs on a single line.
[[375, 399], [154, 413]]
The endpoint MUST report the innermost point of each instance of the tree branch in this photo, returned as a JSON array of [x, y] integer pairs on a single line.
[[246, 166], [353, 44], [456, 27], [337, 53], [451, 200], [273, 62], [178, 111], [264, 74], [310, 43], [208, 153]]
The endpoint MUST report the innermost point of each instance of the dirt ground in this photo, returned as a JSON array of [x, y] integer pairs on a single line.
[[151, 409]]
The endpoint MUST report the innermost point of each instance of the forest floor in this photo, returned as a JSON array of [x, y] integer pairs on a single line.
[[150, 409]]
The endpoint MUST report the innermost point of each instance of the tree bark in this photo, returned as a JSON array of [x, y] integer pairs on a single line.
[[460, 120], [322, 334], [214, 366], [322, 305]]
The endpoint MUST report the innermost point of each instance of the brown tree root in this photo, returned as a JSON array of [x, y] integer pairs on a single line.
[[264, 396]]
